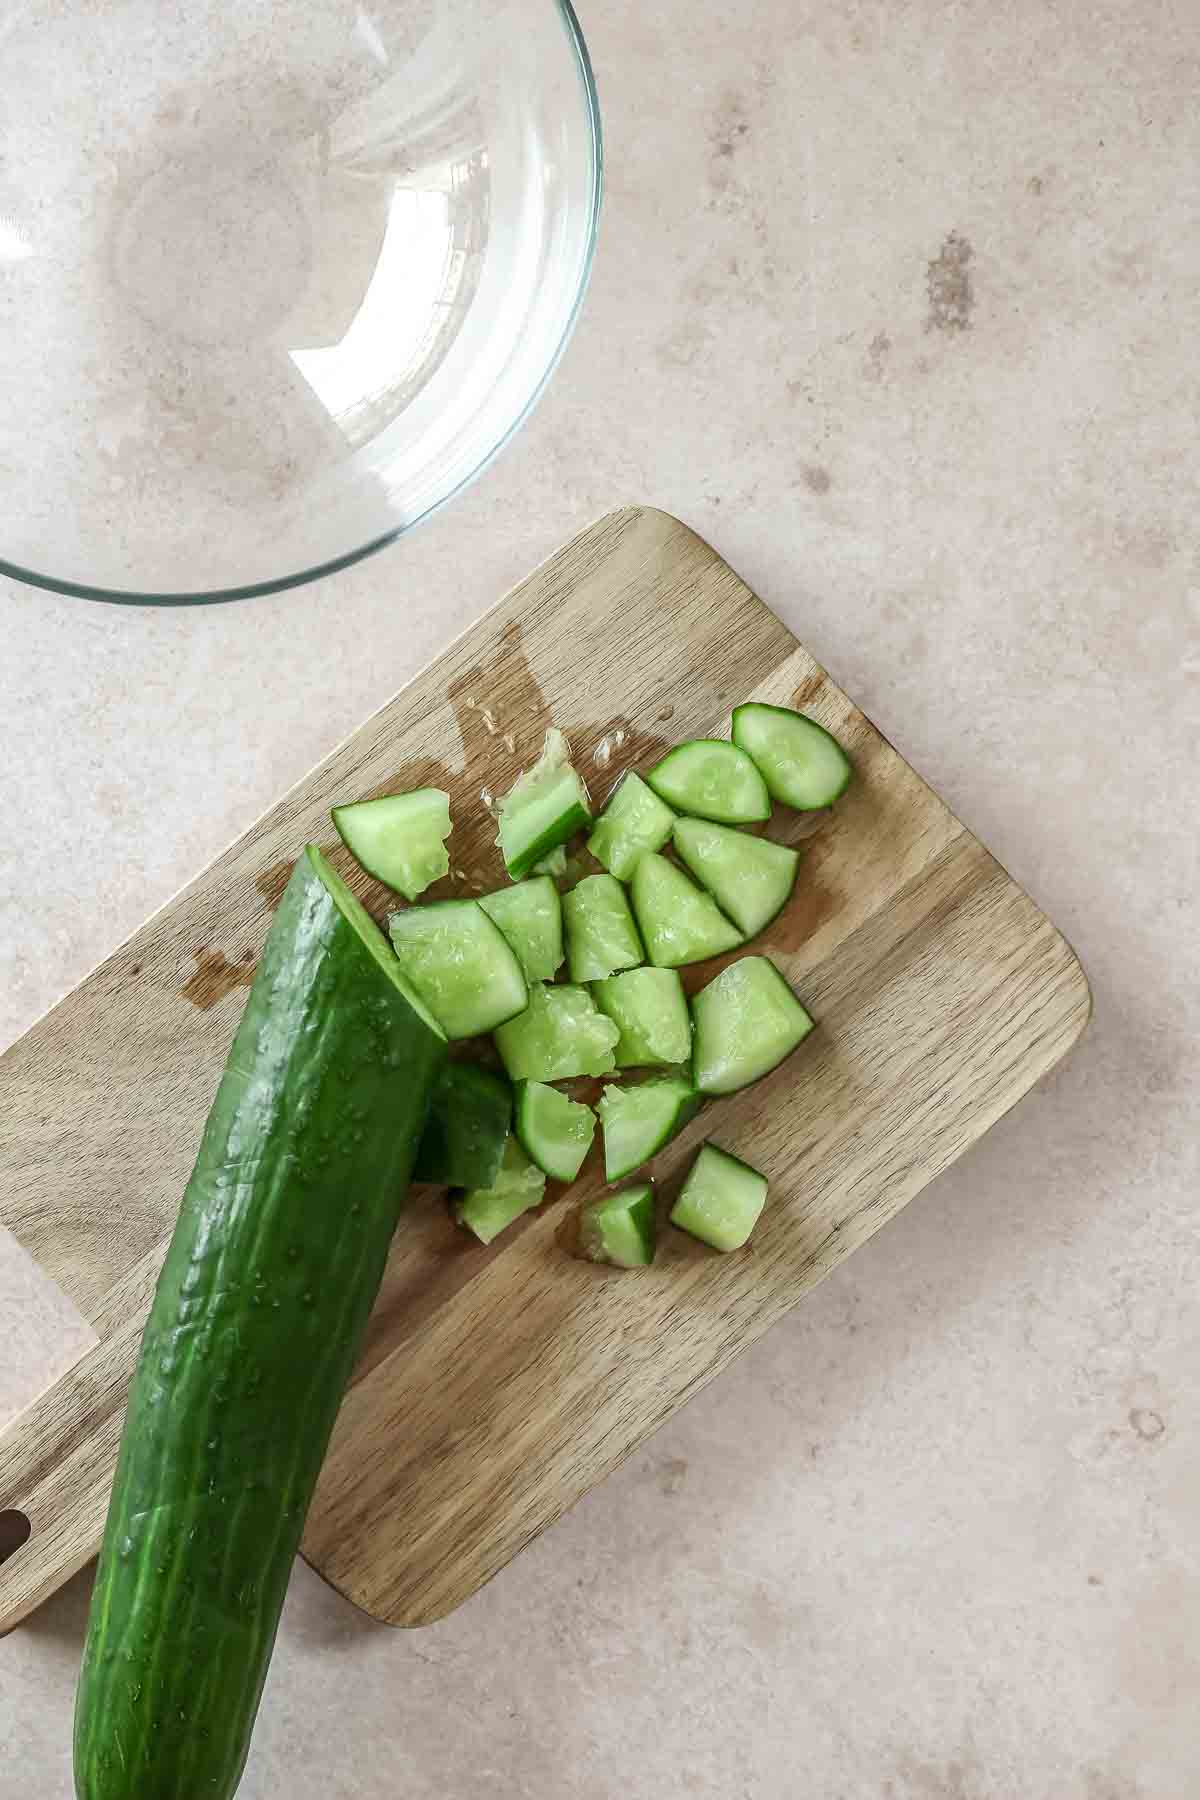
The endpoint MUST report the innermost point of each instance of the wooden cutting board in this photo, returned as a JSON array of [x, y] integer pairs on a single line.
[[497, 1385]]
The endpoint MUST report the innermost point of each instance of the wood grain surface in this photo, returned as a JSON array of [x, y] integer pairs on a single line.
[[497, 1385]]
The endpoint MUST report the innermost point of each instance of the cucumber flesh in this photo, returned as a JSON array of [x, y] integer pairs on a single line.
[[651, 1009], [634, 821], [750, 878], [468, 1125], [679, 924], [553, 863], [555, 1131], [802, 764], [547, 805], [745, 1022], [721, 1199], [560, 1034], [530, 916], [518, 1187], [601, 934], [619, 1228], [400, 839], [639, 1121], [461, 964], [712, 779]]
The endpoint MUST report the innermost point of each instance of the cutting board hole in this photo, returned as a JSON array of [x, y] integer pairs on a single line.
[[14, 1531]]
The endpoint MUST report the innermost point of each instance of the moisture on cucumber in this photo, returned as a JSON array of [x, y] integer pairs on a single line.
[[750, 878], [554, 1130], [461, 964], [634, 821], [519, 1186], [601, 934], [400, 839], [530, 916], [619, 1228], [712, 779], [470, 1114], [560, 1034], [802, 764], [548, 804], [745, 1022], [651, 1009], [679, 924], [255, 1326], [721, 1199], [638, 1121]]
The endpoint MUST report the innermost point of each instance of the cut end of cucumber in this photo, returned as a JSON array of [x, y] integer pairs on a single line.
[[554, 1130], [357, 916], [400, 839], [601, 934], [651, 1009], [679, 924], [746, 1021], [802, 764], [712, 779], [546, 806], [619, 1229], [639, 1121], [561, 1033], [721, 1199], [518, 1187], [750, 878], [461, 964], [634, 821]]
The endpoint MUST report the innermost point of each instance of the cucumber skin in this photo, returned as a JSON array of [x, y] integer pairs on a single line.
[[270, 1276]]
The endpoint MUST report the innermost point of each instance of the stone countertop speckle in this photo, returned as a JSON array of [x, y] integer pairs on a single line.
[[898, 305]]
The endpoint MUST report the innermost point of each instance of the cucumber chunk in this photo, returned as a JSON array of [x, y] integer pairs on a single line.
[[750, 878], [635, 820], [721, 1199], [530, 916], [561, 1033], [802, 764], [519, 1186], [547, 805], [464, 1137], [651, 1009], [461, 965], [554, 1131], [712, 779], [638, 1121], [678, 923], [619, 1228], [601, 934], [400, 839], [746, 1021]]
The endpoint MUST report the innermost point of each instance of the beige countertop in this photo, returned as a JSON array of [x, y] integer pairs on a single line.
[[897, 304]]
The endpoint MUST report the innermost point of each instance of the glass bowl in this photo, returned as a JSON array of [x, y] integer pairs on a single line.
[[277, 277]]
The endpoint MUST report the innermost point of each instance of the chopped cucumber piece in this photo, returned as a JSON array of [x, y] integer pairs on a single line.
[[518, 1186], [638, 1121], [553, 864], [712, 779], [601, 934], [561, 1033], [721, 1199], [746, 1021], [548, 804], [400, 839], [750, 878], [678, 923], [634, 821], [801, 763], [468, 1124], [530, 916], [555, 1131], [619, 1228], [461, 965], [651, 1008]]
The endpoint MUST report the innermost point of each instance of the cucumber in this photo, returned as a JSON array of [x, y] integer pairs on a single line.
[[530, 916], [635, 820], [518, 1187], [721, 1199], [619, 1228], [400, 839], [548, 804], [651, 1009], [745, 1022], [461, 964], [254, 1329], [638, 1121], [601, 934], [469, 1119], [802, 764], [678, 923], [554, 1131], [553, 863], [750, 878], [560, 1034], [712, 779]]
